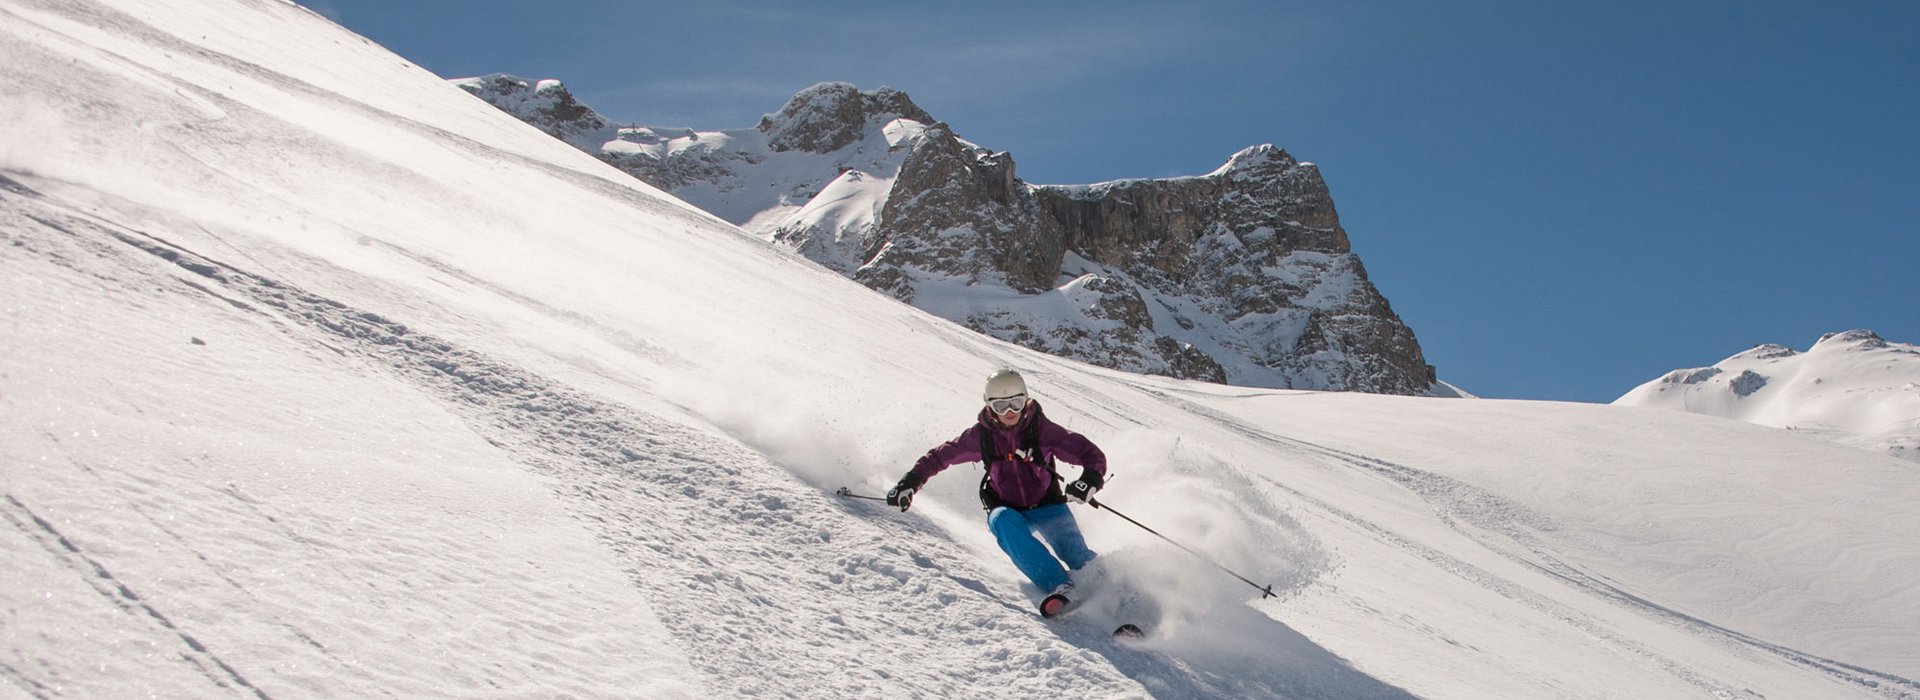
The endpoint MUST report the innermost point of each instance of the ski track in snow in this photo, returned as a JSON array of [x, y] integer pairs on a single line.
[[676, 506], [1476, 512], [735, 552], [215, 669]]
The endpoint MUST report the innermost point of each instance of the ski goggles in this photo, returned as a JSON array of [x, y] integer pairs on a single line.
[[1008, 405]]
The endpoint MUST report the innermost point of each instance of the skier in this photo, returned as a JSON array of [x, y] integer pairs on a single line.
[[1017, 444]]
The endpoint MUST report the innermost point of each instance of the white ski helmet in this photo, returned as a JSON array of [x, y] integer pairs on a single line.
[[1004, 384]]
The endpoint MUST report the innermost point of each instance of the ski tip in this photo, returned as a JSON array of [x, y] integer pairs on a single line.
[[1129, 631]]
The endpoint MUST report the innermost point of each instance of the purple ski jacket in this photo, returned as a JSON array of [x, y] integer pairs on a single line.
[[1017, 481]]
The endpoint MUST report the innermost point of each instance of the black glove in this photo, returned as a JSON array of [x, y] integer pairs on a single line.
[[902, 494], [1081, 491]]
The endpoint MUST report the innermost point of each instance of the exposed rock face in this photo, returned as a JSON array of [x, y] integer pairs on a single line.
[[1258, 244], [1241, 276], [829, 116], [638, 150], [1748, 382], [545, 104], [1159, 221], [1860, 339], [945, 187]]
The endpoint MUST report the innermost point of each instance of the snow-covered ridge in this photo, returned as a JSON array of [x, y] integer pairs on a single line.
[[1854, 388], [1241, 276]]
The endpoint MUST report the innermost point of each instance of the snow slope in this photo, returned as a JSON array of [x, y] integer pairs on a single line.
[[322, 379], [1853, 388]]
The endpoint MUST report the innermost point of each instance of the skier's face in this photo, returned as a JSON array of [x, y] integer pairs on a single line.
[[1010, 418]]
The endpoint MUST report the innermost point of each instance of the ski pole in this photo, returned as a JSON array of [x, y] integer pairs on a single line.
[[1265, 591], [845, 492]]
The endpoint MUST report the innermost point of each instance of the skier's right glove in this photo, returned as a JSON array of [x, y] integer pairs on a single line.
[[901, 495]]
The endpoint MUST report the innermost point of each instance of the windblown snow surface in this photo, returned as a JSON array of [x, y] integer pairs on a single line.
[[321, 378]]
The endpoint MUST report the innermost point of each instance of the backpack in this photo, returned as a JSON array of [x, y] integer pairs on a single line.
[[1029, 443]]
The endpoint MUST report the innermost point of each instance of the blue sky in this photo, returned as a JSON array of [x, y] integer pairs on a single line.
[[1563, 200]]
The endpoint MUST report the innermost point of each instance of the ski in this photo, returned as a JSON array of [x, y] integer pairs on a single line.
[[1057, 605]]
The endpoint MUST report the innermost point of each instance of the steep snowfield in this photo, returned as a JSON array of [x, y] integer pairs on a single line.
[[1853, 388], [323, 379]]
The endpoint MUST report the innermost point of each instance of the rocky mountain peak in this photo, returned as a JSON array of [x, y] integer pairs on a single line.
[[829, 116], [954, 187], [1861, 337], [1265, 157], [1767, 351], [1241, 276], [546, 104]]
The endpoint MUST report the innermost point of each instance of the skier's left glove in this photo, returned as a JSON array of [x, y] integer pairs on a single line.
[[1082, 490]]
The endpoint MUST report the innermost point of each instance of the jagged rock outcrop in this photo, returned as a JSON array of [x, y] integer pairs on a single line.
[[1258, 244], [1242, 276], [946, 187], [829, 116], [546, 104]]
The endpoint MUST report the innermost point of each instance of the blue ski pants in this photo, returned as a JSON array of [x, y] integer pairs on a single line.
[[1016, 531]]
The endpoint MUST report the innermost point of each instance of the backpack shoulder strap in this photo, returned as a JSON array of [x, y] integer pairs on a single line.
[[1030, 440], [987, 456], [988, 499]]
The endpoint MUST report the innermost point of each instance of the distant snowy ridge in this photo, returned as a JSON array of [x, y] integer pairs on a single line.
[[1241, 276], [1854, 388]]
